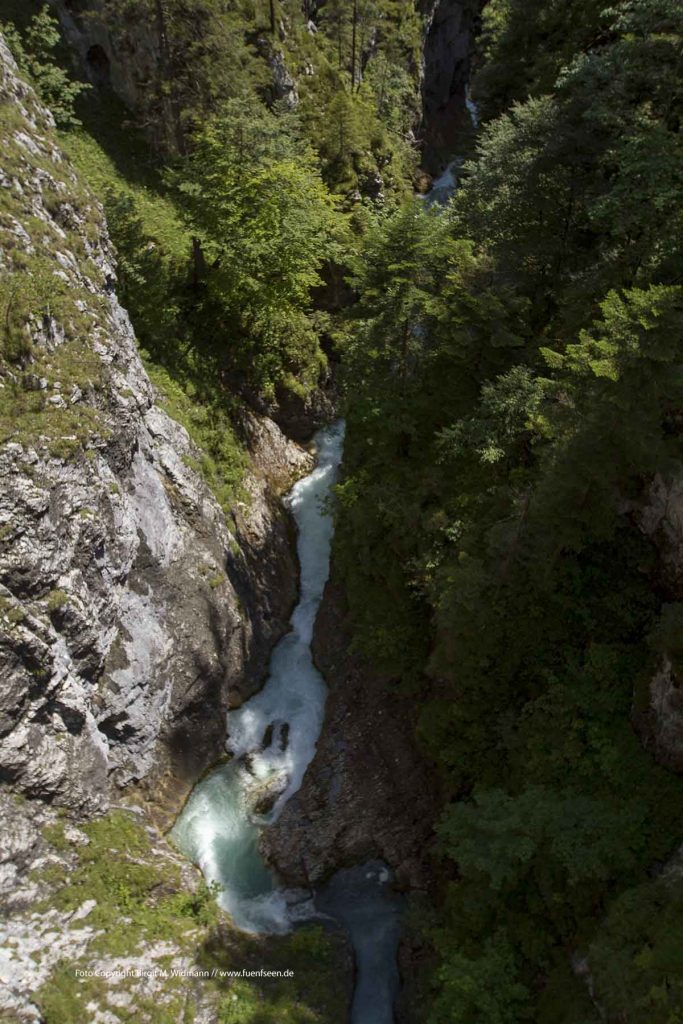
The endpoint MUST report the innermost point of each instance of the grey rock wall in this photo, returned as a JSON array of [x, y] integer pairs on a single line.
[[448, 46], [132, 612], [126, 62]]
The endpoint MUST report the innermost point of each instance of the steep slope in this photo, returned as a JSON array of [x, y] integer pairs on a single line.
[[133, 613], [446, 61]]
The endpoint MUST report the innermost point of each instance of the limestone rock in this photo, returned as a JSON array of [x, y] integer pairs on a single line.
[[661, 518], [284, 87], [132, 612], [367, 793]]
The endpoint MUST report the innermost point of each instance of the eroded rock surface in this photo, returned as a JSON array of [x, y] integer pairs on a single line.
[[367, 793], [449, 41], [133, 612]]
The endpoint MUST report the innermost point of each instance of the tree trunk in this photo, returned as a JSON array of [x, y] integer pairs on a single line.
[[170, 108], [198, 263], [354, 44]]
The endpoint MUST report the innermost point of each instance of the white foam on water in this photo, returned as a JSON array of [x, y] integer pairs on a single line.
[[219, 828], [445, 185], [473, 110]]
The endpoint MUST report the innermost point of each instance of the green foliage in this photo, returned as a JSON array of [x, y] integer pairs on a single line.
[[56, 599], [204, 57], [194, 81], [527, 42], [484, 990], [34, 51], [503, 838], [513, 373], [635, 955], [10, 614], [577, 191], [252, 192]]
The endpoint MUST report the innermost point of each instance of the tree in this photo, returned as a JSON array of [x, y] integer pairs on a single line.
[[479, 990], [252, 192], [514, 387], [192, 75], [34, 52]]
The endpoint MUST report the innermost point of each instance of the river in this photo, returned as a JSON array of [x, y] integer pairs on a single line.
[[272, 740]]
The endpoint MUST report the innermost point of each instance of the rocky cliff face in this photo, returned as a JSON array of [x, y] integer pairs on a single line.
[[658, 713], [449, 41], [132, 612], [368, 792], [127, 54], [126, 60]]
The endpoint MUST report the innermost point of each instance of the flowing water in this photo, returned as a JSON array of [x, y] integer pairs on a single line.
[[445, 185], [272, 739], [362, 900]]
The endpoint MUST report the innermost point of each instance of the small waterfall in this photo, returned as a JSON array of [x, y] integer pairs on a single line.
[[272, 737], [472, 110], [445, 185]]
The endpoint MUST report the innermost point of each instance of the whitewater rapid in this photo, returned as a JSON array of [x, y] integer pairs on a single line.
[[272, 737]]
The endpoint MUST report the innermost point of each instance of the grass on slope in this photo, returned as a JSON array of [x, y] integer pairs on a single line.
[[141, 902], [154, 247]]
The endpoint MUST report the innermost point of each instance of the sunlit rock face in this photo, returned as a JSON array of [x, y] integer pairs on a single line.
[[133, 610]]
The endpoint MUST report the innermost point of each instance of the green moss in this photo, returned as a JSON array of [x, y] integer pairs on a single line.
[[63, 998], [56, 599], [52, 875], [10, 613], [32, 296], [118, 869], [222, 460], [140, 900], [54, 834]]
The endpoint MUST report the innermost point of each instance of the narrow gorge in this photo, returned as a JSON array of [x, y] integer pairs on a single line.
[[341, 520]]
